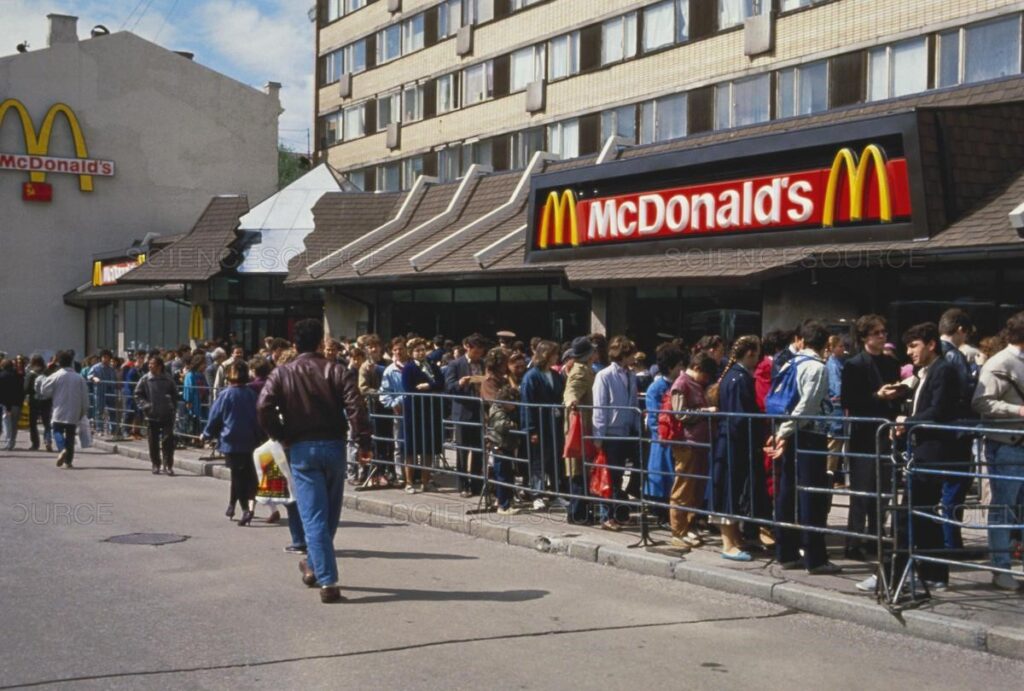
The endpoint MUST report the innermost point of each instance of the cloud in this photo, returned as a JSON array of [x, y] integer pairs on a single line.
[[253, 41]]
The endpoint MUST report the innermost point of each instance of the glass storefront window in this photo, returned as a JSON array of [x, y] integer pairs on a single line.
[[482, 294], [524, 293], [433, 295]]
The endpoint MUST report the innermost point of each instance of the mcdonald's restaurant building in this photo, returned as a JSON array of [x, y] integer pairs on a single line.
[[110, 147], [905, 207]]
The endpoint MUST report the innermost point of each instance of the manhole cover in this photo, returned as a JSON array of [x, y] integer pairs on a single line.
[[156, 539]]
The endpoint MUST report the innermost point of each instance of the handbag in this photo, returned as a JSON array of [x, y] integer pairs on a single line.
[[600, 478], [575, 445]]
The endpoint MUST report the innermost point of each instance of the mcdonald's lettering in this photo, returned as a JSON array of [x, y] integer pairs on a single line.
[[36, 161], [856, 189]]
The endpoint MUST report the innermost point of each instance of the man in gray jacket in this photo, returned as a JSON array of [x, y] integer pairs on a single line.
[[70, 395], [999, 399], [156, 395]]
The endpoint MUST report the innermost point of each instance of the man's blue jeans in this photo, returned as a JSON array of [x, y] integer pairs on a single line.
[[1007, 498], [318, 468]]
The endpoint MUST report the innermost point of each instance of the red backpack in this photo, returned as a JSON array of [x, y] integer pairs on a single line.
[[670, 424]]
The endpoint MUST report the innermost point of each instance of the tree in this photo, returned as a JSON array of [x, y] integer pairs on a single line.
[[291, 165]]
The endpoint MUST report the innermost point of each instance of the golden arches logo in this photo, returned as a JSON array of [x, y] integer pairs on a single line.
[[38, 143], [559, 210], [857, 179]]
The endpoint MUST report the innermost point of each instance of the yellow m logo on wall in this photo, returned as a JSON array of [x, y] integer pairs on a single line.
[[37, 142], [857, 178], [559, 211]]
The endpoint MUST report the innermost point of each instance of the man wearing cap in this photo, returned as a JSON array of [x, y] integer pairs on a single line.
[[505, 338]]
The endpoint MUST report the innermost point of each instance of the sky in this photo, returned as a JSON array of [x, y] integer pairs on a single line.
[[267, 40]]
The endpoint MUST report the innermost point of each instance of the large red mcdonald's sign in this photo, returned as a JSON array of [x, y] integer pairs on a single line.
[[858, 187]]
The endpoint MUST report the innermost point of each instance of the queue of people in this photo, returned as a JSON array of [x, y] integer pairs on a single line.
[[712, 439]]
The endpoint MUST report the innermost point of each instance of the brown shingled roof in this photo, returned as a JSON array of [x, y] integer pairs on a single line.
[[197, 256], [341, 218]]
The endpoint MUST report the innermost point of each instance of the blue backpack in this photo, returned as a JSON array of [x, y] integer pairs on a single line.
[[785, 392]]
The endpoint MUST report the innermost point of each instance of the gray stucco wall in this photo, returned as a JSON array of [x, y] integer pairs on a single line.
[[178, 133]]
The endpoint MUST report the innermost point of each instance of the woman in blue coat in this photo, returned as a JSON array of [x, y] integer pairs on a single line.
[[234, 425], [737, 473], [671, 360], [421, 415]]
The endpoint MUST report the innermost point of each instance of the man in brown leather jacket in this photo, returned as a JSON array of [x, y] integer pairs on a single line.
[[304, 405]]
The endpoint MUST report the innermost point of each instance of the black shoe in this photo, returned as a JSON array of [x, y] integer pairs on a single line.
[[169, 470], [330, 594], [230, 513], [156, 470], [246, 518]]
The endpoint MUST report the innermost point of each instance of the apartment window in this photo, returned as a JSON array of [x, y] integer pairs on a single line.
[[564, 56], [449, 18], [389, 177], [477, 11], [412, 34], [742, 102], [478, 83], [354, 121], [666, 23], [389, 43], [447, 97], [618, 38], [448, 162], [527, 66], [412, 168], [663, 119], [389, 109], [521, 4], [332, 129], [335, 9], [788, 5], [564, 138], [803, 90], [525, 144], [355, 57], [620, 122], [412, 103], [334, 66], [357, 178], [992, 49], [480, 153], [353, 5], [898, 69], [734, 12]]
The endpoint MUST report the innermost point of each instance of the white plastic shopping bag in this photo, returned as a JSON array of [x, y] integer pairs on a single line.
[[84, 433], [273, 473]]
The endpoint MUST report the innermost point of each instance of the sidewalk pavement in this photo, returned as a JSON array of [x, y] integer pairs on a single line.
[[970, 613]]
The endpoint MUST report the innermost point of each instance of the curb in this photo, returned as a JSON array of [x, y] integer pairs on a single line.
[[998, 640]]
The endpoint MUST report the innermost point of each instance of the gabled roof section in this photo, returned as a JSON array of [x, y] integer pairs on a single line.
[[197, 256], [274, 230], [341, 218]]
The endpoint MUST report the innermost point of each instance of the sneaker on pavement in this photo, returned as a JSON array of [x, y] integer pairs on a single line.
[[60, 458], [826, 569], [295, 549], [936, 586], [510, 511], [868, 585], [540, 504], [1005, 581], [411, 489]]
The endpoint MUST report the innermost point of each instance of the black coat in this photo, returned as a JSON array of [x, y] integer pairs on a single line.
[[12, 391], [938, 402], [863, 376]]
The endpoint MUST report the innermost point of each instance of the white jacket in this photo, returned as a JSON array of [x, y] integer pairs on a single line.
[[70, 395]]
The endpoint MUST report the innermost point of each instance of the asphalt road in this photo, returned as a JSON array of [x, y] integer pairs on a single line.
[[426, 608]]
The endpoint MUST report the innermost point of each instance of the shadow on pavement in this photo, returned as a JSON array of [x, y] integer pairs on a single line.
[[407, 595], [375, 554]]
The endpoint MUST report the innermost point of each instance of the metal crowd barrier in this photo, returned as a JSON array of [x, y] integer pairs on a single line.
[[427, 437], [118, 418]]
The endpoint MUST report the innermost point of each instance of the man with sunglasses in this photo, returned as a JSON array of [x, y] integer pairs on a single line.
[[870, 389]]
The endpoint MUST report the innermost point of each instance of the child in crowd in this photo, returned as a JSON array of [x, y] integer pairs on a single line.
[[502, 444]]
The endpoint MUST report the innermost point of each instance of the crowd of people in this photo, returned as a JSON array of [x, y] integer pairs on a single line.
[[753, 435]]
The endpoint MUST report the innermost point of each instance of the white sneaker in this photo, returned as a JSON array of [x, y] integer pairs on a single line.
[[540, 504], [411, 489], [508, 512], [869, 584], [1005, 581]]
